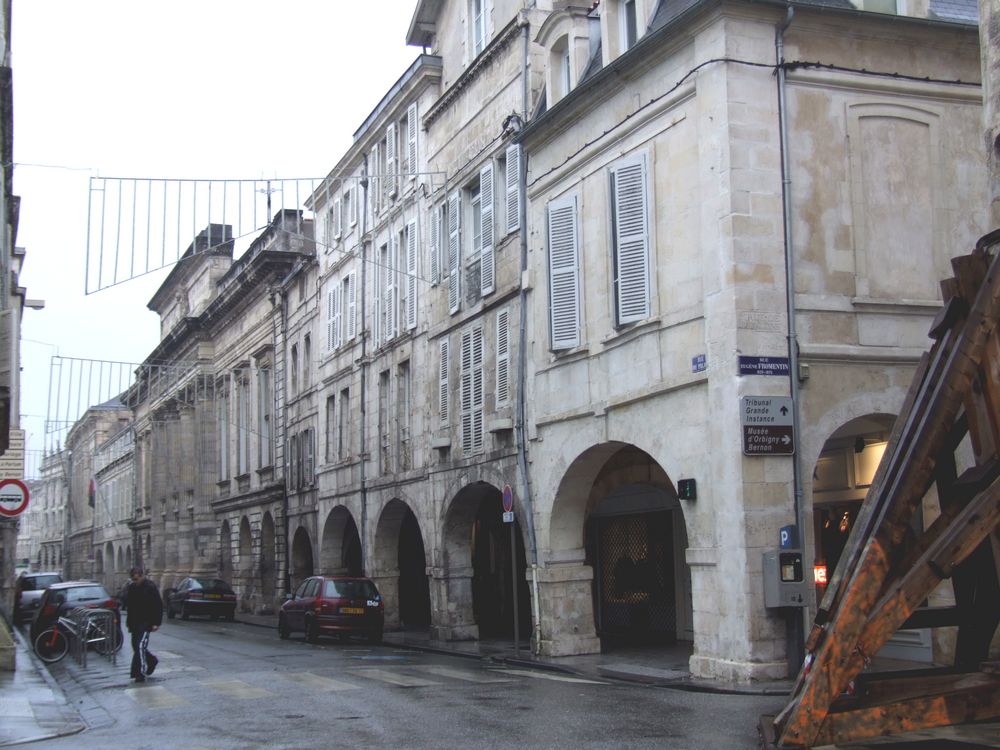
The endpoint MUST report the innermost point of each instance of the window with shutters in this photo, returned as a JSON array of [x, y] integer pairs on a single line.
[[334, 308], [630, 241], [487, 262], [307, 458], [223, 421], [350, 209], [265, 416], [349, 303], [438, 235], [384, 441], [403, 386], [472, 390], [293, 373], [503, 358], [335, 222], [294, 463], [479, 12], [331, 429], [391, 183], [443, 383], [564, 273], [344, 424], [410, 125], [306, 361], [242, 378]]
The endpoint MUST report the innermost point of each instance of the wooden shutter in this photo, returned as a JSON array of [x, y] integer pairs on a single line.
[[411, 275], [487, 264], [330, 302], [454, 252], [391, 287], [631, 242], [443, 383], [564, 272], [411, 139], [513, 188], [352, 305], [472, 390], [436, 212], [503, 357], [391, 165], [335, 216]]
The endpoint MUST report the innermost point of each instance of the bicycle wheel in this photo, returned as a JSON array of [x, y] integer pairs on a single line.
[[51, 645]]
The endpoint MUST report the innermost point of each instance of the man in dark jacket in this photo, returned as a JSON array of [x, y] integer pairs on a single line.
[[145, 614]]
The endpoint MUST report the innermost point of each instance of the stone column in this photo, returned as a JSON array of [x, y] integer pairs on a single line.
[[388, 585], [452, 618], [566, 610]]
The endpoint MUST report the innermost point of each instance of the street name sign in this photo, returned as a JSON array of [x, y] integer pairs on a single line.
[[767, 425], [763, 365], [13, 497]]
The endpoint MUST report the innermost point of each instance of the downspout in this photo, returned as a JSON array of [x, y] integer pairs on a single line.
[[796, 636], [364, 362], [522, 376]]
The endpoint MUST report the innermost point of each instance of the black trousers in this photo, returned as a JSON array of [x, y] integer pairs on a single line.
[[143, 661]]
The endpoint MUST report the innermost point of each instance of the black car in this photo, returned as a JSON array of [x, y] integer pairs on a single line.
[[201, 596], [59, 599]]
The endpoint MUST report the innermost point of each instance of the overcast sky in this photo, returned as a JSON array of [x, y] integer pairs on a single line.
[[208, 89]]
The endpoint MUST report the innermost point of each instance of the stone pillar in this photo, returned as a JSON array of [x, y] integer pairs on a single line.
[[566, 610], [452, 618], [388, 585]]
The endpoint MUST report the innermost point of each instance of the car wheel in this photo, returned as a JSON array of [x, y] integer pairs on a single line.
[[184, 612], [283, 631], [312, 631]]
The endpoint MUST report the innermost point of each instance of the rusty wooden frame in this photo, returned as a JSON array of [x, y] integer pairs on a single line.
[[884, 573]]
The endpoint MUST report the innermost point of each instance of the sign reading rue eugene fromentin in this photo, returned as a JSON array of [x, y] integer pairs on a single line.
[[767, 425]]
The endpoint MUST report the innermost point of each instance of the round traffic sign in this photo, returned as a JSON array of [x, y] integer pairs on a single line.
[[508, 498], [13, 497]]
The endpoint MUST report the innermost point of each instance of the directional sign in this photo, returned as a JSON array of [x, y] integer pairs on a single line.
[[767, 425], [13, 497]]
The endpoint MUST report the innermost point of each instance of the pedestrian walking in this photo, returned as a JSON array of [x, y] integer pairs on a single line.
[[142, 601]]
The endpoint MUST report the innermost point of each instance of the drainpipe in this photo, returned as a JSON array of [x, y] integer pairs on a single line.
[[364, 363], [796, 644], [278, 298], [522, 376]]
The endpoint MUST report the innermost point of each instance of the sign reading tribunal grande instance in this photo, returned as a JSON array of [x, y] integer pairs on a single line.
[[767, 425]]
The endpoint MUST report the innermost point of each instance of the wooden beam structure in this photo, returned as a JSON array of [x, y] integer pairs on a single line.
[[890, 567]]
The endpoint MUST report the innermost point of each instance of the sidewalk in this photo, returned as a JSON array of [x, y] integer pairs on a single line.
[[662, 666], [32, 706]]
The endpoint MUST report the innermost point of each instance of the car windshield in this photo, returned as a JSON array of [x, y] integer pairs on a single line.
[[86, 594], [209, 583], [34, 583], [349, 590]]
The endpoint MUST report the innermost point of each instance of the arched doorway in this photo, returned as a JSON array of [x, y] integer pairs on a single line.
[[99, 565], [267, 559], [341, 550], [246, 560], [617, 512], [400, 565], [110, 574], [226, 553], [476, 537], [302, 556]]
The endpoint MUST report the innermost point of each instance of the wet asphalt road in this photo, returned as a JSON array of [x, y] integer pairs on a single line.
[[229, 686]]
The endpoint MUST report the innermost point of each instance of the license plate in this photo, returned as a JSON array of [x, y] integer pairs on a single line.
[[214, 596], [352, 610]]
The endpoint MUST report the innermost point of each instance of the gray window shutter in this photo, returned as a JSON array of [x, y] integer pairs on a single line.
[[330, 318], [411, 275], [411, 139], [443, 383], [436, 213], [564, 273], [503, 357], [391, 165], [513, 188], [352, 305], [631, 241], [487, 265], [454, 252]]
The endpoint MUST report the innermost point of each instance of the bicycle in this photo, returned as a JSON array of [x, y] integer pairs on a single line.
[[105, 643], [51, 644]]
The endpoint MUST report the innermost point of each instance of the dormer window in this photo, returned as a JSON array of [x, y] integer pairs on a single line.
[[479, 22], [629, 24]]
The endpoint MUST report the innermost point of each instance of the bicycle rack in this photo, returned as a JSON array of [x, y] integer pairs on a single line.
[[91, 627]]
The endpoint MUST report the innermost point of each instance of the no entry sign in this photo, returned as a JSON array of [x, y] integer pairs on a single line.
[[13, 497]]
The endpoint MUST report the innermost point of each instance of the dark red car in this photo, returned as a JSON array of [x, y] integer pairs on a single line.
[[333, 605]]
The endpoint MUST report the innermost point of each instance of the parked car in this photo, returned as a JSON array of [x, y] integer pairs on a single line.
[[59, 599], [325, 605], [201, 596], [28, 592]]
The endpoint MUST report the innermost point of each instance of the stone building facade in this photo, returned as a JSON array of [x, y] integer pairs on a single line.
[[114, 508], [562, 252]]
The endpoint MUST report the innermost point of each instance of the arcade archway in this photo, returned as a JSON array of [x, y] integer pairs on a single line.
[[302, 557], [341, 547]]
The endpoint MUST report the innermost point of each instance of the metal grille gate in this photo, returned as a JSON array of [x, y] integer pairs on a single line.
[[635, 589]]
